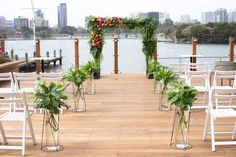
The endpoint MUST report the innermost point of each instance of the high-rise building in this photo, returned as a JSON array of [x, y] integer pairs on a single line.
[[142, 15], [62, 15], [185, 19], [154, 15], [221, 15], [232, 16], [208, 17], [39, 20], [21, 22], [2, 23], [9, 24], [163, 17]]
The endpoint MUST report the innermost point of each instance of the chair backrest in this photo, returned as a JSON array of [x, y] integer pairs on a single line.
[[219, 77], [179, 68], [7, 77], [198, 78], [51, 76], [30, 79], [198, 67], [17, 99], [225, 65], [222, 98]]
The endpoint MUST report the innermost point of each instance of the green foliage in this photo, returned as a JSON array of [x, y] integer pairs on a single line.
[[96, 25], [153, 66], [50, 97], [164, 76], [43, 32], [76, 76], [4, 57], [181, 95], [90, 68]]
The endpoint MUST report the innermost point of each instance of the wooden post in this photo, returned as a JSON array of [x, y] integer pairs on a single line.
[[12, 54], [231, 49], [26, 57], [38, 67], [193, 58], [60, 52], [116, 55], [54, 53], [76, 43], [60, 61], [47, 53], [155, 53]]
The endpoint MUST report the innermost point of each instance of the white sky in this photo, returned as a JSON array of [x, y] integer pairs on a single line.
[[78, 9]]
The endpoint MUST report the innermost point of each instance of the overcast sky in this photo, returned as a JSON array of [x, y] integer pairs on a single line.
[[78, 9]]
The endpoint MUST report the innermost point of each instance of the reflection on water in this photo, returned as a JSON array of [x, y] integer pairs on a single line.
[[131, 58]]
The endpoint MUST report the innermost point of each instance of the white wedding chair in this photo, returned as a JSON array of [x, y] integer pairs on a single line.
[[200, 80], [26, 82], [180, 69], [220, 77], [213, 114], [7, 86], [23, 117]]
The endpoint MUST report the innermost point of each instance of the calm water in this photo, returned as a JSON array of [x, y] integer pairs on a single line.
[[131, 58]]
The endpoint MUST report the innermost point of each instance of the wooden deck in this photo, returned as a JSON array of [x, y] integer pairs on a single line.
[[122, 120]]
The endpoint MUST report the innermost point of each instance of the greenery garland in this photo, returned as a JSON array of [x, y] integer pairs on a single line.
[[148, 26]]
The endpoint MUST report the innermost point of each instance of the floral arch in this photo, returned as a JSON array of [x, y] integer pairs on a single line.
[[148, 26]]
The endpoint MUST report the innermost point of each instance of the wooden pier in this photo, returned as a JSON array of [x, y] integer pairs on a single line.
[[122, 120]]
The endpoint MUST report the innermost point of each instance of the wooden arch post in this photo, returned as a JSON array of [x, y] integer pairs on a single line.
[[76, 44], [231, 49], [38, 64], [2, 43], [116, 55], [194, 50]]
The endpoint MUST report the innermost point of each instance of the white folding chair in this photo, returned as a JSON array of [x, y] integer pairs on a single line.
[[198, 67], [217, 96], [201, 81], [23, 117], [220, 77], [7, 77], [25, 81], [7, 86], [180, 69]]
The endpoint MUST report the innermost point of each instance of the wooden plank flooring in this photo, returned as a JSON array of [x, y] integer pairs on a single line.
[[122, 120]]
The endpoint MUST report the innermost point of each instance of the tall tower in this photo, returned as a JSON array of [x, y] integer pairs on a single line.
[[62, 15]]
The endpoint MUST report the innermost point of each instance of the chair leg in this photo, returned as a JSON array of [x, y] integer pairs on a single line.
[[206, 126], [213, 147], [23, 137], [3, 133], [234, 133], [31, 130]]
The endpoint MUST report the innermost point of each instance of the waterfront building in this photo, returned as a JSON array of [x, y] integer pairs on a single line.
[[62, 15], [154, 15], [142, 15], [208, 17], [20, 22], [221, 15], [185, 19], [163, 17], [9, 24], [232, 16], [39, 20], [2, 23]]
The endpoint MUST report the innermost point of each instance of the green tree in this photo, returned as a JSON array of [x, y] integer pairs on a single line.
[[221, 32], [26, 32]]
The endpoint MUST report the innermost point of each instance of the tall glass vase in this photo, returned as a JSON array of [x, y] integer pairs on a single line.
[[156, 87], [90, 86], [163, 104], [50, 141], [180, 129], [79, 99]]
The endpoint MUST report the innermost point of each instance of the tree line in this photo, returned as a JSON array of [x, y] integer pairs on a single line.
[[205, 33]]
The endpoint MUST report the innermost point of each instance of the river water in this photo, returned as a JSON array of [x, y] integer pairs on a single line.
[[131, 57]]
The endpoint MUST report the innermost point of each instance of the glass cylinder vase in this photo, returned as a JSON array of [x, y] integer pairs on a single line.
[[79, 99], [180, 129], [50, 141], [163, 104], [90, 86]]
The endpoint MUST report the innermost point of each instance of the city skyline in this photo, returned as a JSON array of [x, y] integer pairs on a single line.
[[78, 10]]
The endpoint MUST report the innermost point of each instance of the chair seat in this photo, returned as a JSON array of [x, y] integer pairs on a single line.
[[201, 88], [223, 87], [6, 90], [221, 113], [27, 90], [13, 116]]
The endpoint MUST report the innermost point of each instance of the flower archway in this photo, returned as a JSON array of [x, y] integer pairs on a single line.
[[148, 26]]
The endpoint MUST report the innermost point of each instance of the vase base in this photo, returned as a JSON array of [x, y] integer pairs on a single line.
[[52, 148], [80, 110], [165, 108], [181, 146]]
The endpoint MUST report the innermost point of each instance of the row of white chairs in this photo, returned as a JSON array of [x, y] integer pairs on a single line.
[[24, 82]]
